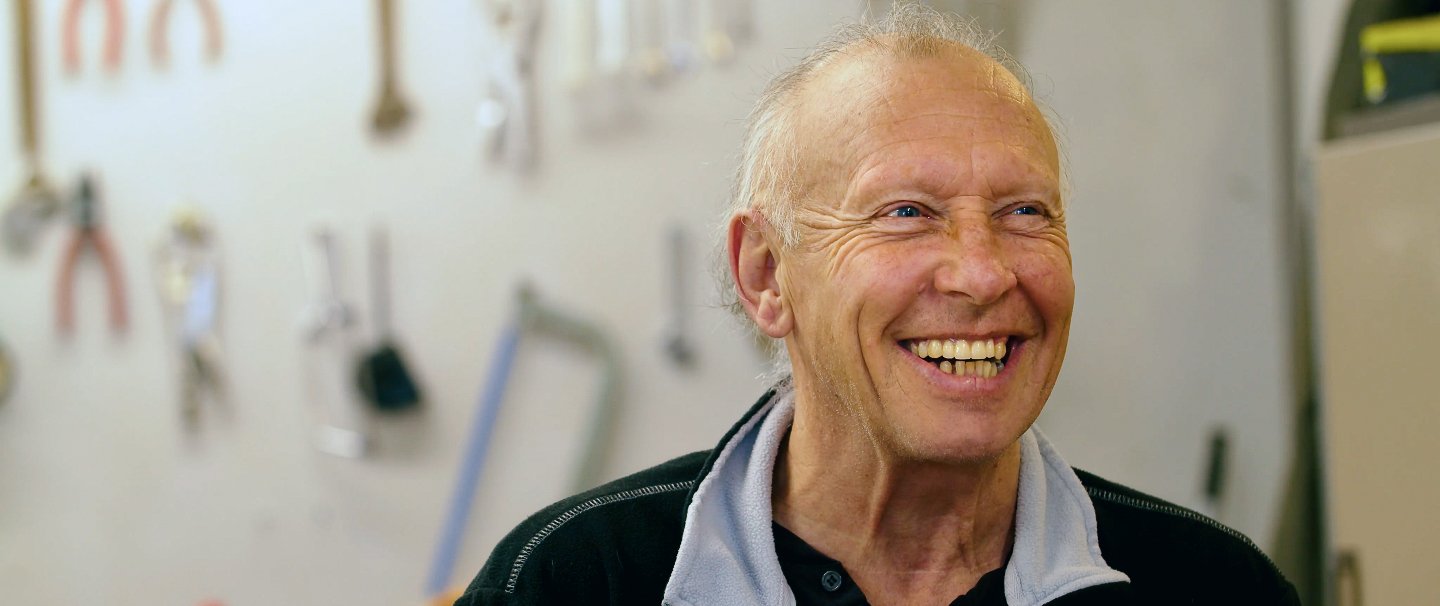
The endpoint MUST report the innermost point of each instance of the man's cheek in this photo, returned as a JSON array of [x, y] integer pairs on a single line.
[[1049, 271]]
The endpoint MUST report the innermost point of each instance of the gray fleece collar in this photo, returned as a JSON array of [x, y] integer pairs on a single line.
[[727, 549]]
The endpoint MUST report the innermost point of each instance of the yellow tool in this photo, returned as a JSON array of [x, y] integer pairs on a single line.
[[1419, 35]]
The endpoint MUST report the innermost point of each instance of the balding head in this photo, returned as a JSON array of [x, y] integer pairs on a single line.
[[770, 176]]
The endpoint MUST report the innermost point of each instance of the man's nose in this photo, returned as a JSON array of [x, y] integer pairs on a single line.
[[974, 266]]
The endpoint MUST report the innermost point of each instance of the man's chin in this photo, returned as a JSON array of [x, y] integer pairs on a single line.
[[952, 450]]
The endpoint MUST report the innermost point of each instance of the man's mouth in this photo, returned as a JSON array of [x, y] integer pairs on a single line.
[[982, 358]]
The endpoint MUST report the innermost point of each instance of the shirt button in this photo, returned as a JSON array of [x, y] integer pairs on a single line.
[[830, 580]]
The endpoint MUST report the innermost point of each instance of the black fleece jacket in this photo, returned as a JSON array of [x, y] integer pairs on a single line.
[[616, 545]]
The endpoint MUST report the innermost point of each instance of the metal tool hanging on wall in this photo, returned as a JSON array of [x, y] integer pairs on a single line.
[[160, 30], [391, 110], [678, 34], [382, 375], [89, 233], [506, 112], [7, 372], [27, 212], [677, 342], [539, 320], [580, 35], [597, 39], [188, 276], [342, 429], [114, 33]]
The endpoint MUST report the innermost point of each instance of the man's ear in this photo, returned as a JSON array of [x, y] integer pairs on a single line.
[[753, 264]]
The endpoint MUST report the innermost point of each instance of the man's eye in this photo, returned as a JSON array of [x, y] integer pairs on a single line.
[[907, 211], [1027, 210]]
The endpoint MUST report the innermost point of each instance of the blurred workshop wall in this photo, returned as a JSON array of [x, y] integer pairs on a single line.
[[106, 495]]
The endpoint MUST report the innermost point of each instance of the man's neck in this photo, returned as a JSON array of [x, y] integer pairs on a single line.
[[908, 532]]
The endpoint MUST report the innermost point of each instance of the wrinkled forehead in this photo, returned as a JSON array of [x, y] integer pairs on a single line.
[[871, 90]]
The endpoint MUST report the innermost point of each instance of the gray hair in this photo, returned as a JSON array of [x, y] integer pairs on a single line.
[[765, 180]]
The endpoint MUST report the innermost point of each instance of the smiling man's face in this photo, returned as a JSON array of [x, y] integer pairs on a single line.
[[931, 290]]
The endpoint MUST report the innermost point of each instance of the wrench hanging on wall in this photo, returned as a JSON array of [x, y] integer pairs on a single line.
[[37, 201], [391, 111]]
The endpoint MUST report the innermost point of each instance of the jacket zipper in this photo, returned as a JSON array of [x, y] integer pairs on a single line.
[[571, 513], [1183, 513]]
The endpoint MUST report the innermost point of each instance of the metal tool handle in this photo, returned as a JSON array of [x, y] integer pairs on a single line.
[[342, 430], [332, 264], [330, 314], [380, 282], [677, 346], [386, 10], [391, 112], [7, 372], [25, 57]]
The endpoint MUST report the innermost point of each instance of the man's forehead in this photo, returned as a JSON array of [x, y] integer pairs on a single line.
[[867, 81], [869, 91]]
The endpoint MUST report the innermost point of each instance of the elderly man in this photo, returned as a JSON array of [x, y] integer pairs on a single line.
[[898, 223]]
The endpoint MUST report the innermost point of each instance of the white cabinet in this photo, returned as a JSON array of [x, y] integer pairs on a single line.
[[1378, 243]]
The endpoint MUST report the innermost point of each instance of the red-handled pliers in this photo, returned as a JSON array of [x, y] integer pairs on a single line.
[[89, 230], [70, 33], [160, 23]]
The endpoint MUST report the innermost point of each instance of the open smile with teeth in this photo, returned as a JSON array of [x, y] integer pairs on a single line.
[[981, 358]]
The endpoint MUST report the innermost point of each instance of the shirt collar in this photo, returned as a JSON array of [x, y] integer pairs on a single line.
[[727, 549]]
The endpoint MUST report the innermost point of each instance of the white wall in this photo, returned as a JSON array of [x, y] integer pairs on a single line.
[[104, 497]]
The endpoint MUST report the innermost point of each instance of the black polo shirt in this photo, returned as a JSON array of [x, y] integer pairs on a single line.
[[818, 580]]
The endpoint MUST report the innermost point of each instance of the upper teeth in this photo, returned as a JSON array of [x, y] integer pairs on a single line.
[[959, 349]]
